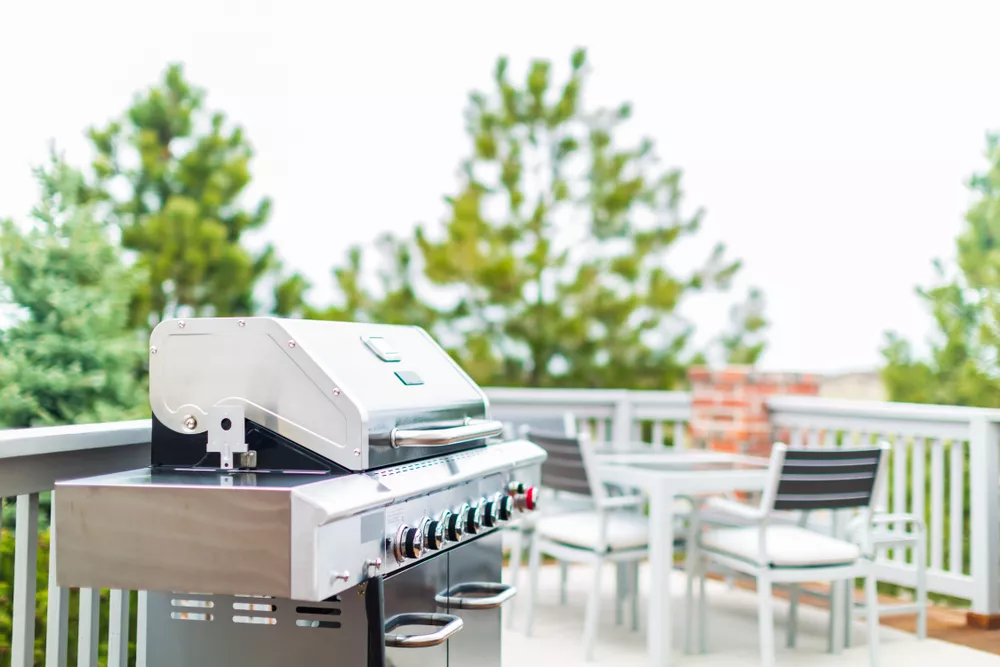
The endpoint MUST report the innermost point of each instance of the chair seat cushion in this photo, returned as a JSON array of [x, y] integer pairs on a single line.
[[625, 530], [787, 546]]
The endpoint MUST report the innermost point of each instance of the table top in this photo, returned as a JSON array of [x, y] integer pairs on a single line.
[[686, 470]]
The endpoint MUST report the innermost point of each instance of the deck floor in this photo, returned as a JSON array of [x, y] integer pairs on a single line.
[[732, 633]]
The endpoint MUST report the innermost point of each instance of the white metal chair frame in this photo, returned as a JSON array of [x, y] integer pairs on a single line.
[[762, 567], [605, 507]]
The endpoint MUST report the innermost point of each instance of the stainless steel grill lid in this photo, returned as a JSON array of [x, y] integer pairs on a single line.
[[307, 394]]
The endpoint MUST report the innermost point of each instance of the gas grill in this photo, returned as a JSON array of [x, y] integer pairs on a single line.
[[318, 493]]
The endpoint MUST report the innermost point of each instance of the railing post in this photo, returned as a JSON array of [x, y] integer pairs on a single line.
[[621, 424], [984, 460]]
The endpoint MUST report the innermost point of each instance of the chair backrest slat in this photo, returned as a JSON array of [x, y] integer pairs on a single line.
[[565, 469], [820, 479]]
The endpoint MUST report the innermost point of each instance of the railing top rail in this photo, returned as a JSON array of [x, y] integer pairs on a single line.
[[53, 439], [587, 396], [842, 408]]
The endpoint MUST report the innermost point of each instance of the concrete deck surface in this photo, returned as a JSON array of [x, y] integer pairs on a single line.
[[732, 633]]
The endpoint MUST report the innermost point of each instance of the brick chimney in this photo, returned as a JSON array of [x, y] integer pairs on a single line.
[[728, 409]]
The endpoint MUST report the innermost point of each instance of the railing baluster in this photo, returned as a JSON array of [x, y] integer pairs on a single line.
[[919, 481], [140, 630], [118, 618], [813, 438], [57, 621], [796, 438], [898, 486], [25, 573], [90, 620], [830, 438], [936, 528], [956, 531], [658, 433], [680, 435]]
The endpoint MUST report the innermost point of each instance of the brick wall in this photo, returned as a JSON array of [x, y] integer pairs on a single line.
[[728, 410]]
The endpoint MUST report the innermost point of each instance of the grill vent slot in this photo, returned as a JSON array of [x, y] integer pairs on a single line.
[[320, 615], [187, 603]]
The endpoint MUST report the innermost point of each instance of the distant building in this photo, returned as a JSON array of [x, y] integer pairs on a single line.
[[858, 386]]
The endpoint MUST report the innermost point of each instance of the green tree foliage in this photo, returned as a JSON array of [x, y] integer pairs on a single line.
[[551, 268], [174, 175], [963, 367], [69, 356]]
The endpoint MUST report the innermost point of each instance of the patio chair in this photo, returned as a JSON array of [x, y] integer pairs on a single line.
[[800, 480], [518, 534], [614, 531]]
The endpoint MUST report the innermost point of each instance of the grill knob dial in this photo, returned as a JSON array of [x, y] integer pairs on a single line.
[[490, 514], [433, 534], [475, 519], [444, 525], [515, 488], [455, 523], [408, 544], [505, 508]]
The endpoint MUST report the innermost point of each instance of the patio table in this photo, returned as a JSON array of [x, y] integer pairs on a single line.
[[663, 476]]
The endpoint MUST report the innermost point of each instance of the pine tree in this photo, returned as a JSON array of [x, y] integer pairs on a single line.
[[69, 356]]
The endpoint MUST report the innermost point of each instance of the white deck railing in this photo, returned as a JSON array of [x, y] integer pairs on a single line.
[[954, 452]]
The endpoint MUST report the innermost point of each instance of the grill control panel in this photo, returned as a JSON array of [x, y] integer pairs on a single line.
[[422, 526]]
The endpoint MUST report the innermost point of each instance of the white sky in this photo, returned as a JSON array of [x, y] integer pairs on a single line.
[[829, 142]]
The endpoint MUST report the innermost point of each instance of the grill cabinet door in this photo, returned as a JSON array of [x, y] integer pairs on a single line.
[[413, 591], [474, 573]]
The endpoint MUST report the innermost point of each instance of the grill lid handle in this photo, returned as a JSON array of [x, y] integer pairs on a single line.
[[473, 429], [476, 595], [448, 624]]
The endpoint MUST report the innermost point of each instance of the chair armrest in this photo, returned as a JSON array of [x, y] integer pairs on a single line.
[[617, 502], [736, 509]]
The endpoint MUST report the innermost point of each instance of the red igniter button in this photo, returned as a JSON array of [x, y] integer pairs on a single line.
[[531, 498]]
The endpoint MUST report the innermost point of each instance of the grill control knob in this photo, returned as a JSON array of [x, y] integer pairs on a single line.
[[455, 523], [408, 544], [433, 534], [475, 519], [444, 523], [515, 488], [505, 508], [490, 513]]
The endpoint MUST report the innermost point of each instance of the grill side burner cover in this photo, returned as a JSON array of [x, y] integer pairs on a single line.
[[338, 390]]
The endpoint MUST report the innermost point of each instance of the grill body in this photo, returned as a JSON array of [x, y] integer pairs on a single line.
[[315, 489]]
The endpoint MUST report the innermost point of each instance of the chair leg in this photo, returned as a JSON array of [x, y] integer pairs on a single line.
[[871, 614], [921, 558], [793, 616], [516, 554], [765, 621], [701, 568], [837, 617], [849, 613], [563, 576], [533, 566], [635, 596], [621, 590], [690, 569], [593, 613]]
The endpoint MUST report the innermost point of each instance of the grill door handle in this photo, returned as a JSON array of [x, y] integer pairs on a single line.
[[476, 595], [447, 623], [474, 429]]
